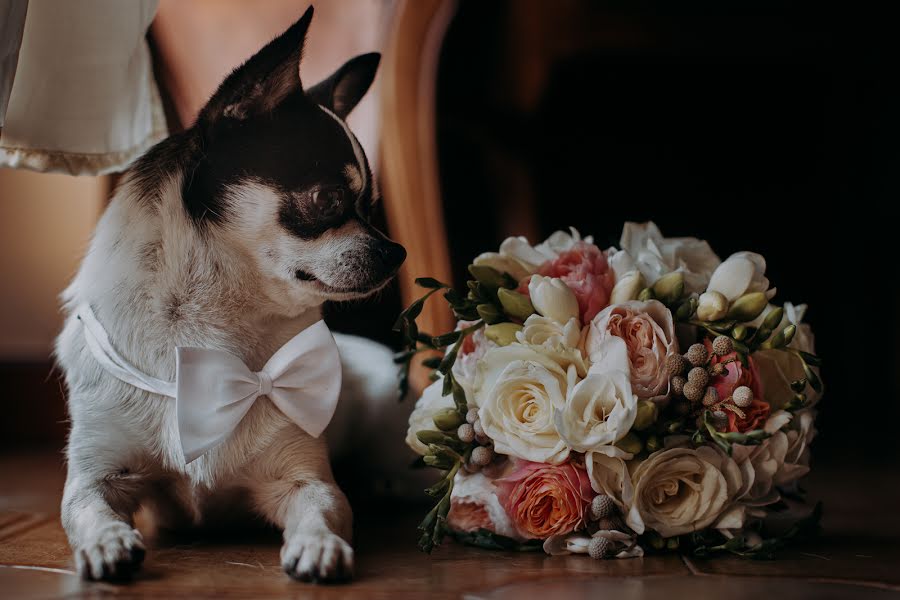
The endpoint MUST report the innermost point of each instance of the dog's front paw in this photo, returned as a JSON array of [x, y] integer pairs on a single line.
[[317, 557], [115, 552]]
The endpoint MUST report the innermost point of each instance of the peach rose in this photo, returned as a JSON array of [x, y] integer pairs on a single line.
[[544, 500], [585, 270], [649, 335]]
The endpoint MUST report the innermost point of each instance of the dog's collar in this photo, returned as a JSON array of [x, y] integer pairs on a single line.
[[213, 390]]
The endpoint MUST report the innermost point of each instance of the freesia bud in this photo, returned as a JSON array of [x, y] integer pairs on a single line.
[[631, 443], [502, 334], [447, 419], [669, 287], [645, 294], [627, 287], [646, 415], [489, 313], [713, 306], [553, 299], [748, 307], [516, 305]]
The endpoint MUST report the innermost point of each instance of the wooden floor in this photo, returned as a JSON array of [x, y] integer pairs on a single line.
[[858, 557]]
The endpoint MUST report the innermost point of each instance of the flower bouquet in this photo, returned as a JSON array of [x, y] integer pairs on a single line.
[[607, 402]]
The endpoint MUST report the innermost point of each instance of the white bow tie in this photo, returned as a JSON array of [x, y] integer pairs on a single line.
[[213, 390]]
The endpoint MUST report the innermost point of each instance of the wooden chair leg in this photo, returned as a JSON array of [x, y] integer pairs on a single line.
[[409, 148]]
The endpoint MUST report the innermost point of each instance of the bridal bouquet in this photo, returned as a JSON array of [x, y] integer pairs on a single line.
[[607, 402]]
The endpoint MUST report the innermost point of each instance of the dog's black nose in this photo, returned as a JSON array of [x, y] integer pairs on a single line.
[[392, 255]]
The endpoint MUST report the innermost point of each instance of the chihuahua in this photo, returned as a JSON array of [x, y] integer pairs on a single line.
[[229, 236]]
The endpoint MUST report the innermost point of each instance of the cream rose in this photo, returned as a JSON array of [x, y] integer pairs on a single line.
[[649, 335], [644, 248], [680, 490], [600, 409], [609, 475], [556, 340], [799, 436], [422, 416], [517, 390]]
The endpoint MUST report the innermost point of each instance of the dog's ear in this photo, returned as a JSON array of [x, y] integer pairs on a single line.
[[343, 90], [264, 81]]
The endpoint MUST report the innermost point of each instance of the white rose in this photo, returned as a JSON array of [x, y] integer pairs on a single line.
[[517, 389], [741, 273], [609, 475], [599, 409], [518, 258], [422, 416], [649, 336], [557, 341], [796, 459], [553, 299], [759, 465], [466, 365], [643, 247], [680, 490]]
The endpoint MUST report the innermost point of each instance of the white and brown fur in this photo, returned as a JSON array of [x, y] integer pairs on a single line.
[[219, 238]]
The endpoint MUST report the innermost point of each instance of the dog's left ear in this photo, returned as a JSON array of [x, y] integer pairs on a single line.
[[264, 81], [343, 90]]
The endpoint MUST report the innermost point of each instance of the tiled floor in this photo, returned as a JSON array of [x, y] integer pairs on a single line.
[[858, 557]]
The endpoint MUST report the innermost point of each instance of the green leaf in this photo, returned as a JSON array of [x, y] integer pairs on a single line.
[[810, 359], [443, 340], [812, 378]]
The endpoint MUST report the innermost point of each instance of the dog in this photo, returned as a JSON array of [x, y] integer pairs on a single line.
[[230, 236]]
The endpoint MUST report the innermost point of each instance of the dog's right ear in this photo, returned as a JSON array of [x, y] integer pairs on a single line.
[[261, 83]]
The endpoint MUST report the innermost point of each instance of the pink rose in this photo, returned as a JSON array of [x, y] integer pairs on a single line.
[[544, 500], [649, 335], [585, 270]]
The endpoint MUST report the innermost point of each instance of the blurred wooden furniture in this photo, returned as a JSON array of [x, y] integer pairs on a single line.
[[409, 169]]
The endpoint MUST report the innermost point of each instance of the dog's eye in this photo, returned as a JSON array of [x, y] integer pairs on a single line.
[[328, 201]]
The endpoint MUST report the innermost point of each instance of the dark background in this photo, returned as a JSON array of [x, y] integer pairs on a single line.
[[770, 127]]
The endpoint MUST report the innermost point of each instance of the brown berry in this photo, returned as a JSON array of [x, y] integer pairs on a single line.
[[711, 397], [675, 364], [602, 506], [466, 433], [697, 355], [742, 396], [678, 385], [479, 429], [472, 416], [722, 345], [720, 419], [693, 392], [482, 456], [598, 547], [699, 376], [610, 523]]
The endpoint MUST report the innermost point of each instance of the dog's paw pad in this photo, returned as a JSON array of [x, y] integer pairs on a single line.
[[317, 557], [115, 552]]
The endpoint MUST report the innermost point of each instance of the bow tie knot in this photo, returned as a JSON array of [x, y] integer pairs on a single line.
[[265, 383]]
